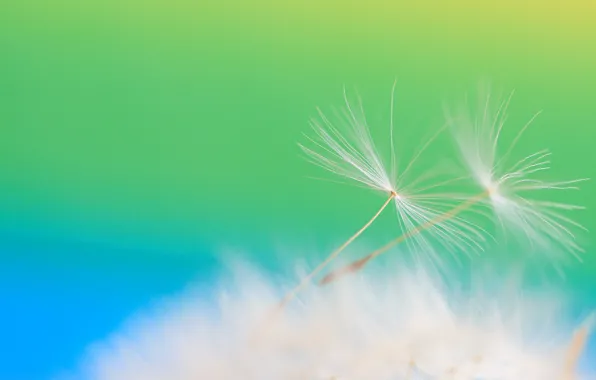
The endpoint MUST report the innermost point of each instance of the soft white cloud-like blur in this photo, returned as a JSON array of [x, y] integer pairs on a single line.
[[404, 324]]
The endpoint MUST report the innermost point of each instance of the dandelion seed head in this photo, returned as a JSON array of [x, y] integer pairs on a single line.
[[495, 195], [384, 326]]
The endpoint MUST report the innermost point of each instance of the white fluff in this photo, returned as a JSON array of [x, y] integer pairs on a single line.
[[405, 326]]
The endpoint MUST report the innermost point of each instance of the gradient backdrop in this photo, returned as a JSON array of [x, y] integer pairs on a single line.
[[141, 140]]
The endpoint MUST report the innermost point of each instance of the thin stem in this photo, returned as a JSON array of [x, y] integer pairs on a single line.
[[575, 350], [333, 255], [305, 281], [359, 264]]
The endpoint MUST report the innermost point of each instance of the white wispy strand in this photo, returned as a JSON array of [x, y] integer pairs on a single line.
[[344, 146], [383, 327], [508, 182]]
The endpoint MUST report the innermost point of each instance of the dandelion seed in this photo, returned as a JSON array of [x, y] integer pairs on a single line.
[[541, 223], [354, 156], [507, 182]]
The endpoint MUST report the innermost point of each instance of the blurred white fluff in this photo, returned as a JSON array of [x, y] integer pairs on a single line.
[[406, 326]]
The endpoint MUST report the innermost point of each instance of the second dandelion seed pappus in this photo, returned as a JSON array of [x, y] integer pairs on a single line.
[[346, 148], [504, 184], [515, 188]]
